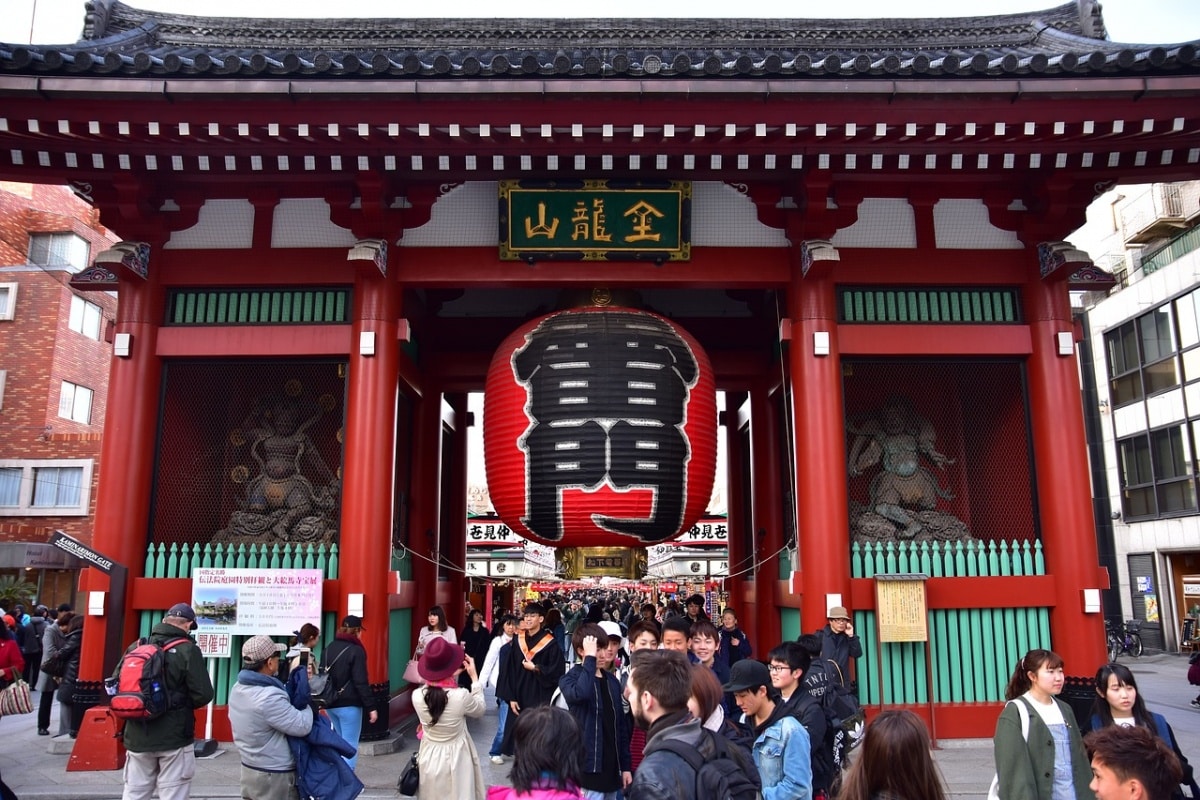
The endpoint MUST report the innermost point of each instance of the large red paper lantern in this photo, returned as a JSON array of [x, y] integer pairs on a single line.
[[600, 428]]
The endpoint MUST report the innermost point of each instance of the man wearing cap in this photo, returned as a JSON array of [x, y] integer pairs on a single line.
[[262, 717], [781, 747], [839, 645], [160, 752], [345, 658], [533, 668]]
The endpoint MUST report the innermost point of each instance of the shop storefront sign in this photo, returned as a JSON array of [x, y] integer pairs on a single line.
[[595, 220]]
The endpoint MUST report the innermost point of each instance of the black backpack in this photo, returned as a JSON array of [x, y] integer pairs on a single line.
[[723, 771]]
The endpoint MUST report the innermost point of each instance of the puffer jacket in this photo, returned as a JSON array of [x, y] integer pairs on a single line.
[[187, 679], [262, 717], [321, 769]]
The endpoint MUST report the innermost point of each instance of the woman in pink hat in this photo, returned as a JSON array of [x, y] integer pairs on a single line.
[[447, 757]]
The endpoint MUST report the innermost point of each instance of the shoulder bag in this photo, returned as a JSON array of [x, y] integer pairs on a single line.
[[15, 698]]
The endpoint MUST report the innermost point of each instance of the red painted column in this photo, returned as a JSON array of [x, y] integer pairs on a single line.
[[454, 538], [126, 463], [821, 492], [768, 517], [425, 517], [738, 522], [369, 470], [1063, 478]]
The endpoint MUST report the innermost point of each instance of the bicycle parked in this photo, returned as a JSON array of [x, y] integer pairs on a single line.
[[1123, 638]]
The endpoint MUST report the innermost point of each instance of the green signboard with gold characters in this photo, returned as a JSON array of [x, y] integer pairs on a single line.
[[597, 220]]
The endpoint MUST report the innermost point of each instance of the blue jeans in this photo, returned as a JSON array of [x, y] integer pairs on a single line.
[[347, 722], [503, 709]]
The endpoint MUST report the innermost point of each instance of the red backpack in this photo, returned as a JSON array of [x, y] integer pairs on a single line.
[[141, 681]]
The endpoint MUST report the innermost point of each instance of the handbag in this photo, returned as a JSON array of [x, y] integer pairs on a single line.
[[56, 665], [410, 779], [410, 671], [322, 692], [15, 699], [65, 692]]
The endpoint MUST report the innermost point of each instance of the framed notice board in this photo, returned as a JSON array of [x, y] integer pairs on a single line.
[[901, 608]]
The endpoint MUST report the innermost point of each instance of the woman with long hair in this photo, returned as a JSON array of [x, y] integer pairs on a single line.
[[345, 659], [475, 639], [303, 644], [894, 762], [1118, 702], [547, 764], [1038, 746], [436, 629], [447, 757]]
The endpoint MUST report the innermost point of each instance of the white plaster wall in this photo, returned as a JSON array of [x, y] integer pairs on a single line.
[[882, 222], [304, 222], [221, 225], [963, 224]]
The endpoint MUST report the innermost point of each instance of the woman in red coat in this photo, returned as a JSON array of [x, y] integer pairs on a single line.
[[12, 663]]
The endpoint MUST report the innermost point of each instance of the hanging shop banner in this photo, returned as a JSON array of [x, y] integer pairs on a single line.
[[901, 609], [273, 602], [595, 220]]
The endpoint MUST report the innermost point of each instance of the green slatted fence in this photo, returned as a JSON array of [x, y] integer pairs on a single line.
[[973, 650], [923, 305], [258, 307], [178, 560]]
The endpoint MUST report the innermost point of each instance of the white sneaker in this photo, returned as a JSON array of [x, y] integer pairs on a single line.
[[497, 759]]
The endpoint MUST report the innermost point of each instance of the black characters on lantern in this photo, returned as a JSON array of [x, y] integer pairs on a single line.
[[608, 394]]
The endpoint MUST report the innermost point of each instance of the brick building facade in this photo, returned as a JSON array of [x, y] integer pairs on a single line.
[[54, 359]]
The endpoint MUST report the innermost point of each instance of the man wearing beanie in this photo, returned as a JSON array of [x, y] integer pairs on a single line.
[[160, 752], [262, 717]]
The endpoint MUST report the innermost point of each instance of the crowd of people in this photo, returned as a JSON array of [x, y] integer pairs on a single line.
[[611, 700], [643, 701]]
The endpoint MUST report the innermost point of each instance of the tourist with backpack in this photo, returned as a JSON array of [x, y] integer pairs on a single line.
[[787, 664], [160, 749], [345, 659], [31, 644], [682, 760], [781, 750]]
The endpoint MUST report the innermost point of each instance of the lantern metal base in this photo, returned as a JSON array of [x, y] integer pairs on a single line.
[[602, 562]]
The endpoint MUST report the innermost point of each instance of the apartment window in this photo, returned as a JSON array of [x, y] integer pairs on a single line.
[[65, 250], [75, 403], [45, 488], [8, 300], [1141, 357], [1157, 476], [85, 318], [3, 380]]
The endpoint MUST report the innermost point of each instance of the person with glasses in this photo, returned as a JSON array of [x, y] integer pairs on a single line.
[[839, 646], [262, 717], [532, 669], [787, 663]]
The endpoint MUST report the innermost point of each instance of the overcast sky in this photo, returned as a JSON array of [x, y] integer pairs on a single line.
[[1155, 21]]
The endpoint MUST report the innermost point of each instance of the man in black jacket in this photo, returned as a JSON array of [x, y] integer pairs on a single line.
[[533, 668], [840, 645]]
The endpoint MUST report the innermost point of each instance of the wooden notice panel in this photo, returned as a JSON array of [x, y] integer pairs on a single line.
[[901, 608]]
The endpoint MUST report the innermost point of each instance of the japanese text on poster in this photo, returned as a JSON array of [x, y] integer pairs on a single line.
[[273, 602]]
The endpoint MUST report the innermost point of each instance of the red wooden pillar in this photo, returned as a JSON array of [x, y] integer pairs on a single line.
[[127, 464], [454, 541], [369, 471], [424, 519], [821, 492], [768, 517], [1063, 479], [740, 529]]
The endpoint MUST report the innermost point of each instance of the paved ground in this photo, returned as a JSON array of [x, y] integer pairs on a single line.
[[33, 772]]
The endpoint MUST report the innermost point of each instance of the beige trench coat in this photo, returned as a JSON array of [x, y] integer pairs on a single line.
[[447, 757]]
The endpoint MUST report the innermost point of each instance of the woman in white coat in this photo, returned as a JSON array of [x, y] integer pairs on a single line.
[[447, 756]]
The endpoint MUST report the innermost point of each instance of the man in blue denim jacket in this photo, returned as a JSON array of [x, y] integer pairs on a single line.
[[781, 747]]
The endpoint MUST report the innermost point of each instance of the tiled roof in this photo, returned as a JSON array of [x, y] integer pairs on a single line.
[[1068, 39]]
